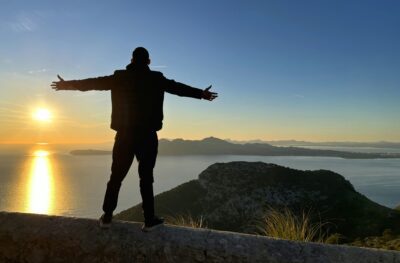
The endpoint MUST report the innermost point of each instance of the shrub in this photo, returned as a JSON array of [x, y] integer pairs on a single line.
[[186, 220], [286, 225]]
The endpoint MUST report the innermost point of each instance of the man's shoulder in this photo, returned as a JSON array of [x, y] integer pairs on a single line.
[[125, 72], [120, 71], [156, 73]]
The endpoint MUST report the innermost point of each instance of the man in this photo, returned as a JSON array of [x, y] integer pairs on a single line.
[[137, 95]]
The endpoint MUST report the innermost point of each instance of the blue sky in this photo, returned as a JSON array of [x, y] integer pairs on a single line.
[[305, 70]]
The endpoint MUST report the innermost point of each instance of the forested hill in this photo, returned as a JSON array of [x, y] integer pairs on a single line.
[[232, 196]]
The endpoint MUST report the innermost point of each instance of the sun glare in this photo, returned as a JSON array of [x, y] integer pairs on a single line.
[[42, 114], [41, 153]]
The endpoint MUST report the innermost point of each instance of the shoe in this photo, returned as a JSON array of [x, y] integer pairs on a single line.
[[105, 221], [156, 222]]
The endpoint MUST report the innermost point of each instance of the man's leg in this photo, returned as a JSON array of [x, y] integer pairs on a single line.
[[123, 154], [146, 153]]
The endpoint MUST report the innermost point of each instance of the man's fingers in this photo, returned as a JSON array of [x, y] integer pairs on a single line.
[[55, 85], [211, 96], [60, 78], [208, 95]]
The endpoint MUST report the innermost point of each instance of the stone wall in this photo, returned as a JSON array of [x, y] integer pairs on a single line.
[[41, 238]]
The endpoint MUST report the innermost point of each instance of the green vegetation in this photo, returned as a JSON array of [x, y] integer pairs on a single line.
[[388, 240], [286, 225], [187, 220]]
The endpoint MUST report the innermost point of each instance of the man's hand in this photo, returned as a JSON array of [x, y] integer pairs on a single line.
[[59, 85], [207, 95]]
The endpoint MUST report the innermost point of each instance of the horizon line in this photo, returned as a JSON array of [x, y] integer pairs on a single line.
[[193, 139]]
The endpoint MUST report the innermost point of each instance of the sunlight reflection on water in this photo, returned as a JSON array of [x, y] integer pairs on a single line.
[[40, 189]]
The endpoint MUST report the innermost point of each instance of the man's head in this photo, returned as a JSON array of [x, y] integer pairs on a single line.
[[140, 56]]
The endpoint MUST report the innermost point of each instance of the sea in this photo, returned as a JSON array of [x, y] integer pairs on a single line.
[[46, 179]]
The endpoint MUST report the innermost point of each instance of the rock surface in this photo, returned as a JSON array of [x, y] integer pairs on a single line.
[[41, 238]]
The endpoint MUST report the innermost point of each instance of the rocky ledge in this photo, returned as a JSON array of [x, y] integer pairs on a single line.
[[41, 238]]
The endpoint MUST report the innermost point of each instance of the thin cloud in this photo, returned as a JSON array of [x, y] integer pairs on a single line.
[[25, 22], [159, 66], [37, 71]]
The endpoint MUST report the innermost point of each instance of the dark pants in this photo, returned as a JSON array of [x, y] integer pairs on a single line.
[[127, 145]]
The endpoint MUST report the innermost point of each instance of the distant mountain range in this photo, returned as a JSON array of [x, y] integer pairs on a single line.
[[232, 196], [379, 144], [215, 146]]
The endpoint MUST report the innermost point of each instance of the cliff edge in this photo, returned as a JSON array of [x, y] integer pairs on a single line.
[[42, 238]]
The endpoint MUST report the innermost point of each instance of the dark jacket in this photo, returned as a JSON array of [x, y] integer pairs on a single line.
[[137, 96]]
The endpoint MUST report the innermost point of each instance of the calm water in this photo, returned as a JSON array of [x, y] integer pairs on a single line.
[[44, 181]]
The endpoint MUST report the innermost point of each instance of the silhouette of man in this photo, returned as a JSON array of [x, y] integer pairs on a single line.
[[137, 95]]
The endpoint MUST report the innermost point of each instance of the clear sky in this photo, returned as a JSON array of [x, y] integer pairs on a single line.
[[305, 70]]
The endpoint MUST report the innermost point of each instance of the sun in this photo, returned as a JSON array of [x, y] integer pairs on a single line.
[[42, 114]]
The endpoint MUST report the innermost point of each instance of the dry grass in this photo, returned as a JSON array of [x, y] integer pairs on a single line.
[[186, 220], [286, 225]]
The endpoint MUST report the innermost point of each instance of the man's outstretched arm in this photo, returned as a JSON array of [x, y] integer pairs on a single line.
[[184, 90], [100, 83]]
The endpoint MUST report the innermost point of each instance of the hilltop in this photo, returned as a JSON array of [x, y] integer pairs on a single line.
[[233, 196]]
